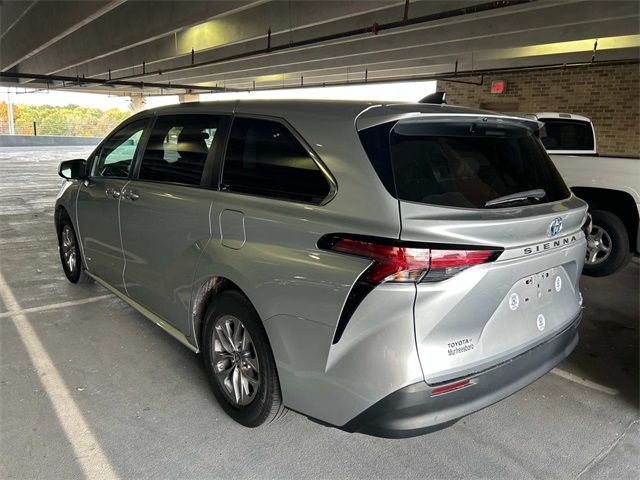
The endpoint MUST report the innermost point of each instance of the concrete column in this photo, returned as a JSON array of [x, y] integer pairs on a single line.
[[189, 97], [138, 102], [10, 113]]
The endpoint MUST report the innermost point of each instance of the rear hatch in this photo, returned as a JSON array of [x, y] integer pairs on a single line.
[[504, 231]]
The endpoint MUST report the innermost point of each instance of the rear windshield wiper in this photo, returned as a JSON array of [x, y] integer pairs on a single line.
[[536, 194]]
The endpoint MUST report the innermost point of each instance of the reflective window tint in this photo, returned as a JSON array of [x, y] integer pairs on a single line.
[[118, 151], [470, 171], [264, 158], [461, 163], [178, 148]]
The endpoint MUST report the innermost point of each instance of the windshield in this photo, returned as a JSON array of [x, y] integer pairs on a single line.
[[464, 164]]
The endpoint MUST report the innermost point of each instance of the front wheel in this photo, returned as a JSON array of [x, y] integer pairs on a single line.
[[70, 253], [607, 245], [239, 361]]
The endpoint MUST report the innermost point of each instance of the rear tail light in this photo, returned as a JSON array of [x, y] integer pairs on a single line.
[[394, 261], [402, 262], [391, 263]]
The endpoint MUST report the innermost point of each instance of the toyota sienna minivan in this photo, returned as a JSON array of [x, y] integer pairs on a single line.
[[382, 268]]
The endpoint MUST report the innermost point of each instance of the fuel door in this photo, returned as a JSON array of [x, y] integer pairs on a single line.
[[232, 230]]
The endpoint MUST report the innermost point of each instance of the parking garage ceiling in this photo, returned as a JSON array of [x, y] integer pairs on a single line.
[[125, 46]]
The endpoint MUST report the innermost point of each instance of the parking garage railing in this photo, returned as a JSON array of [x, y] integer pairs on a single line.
[[66, 129]]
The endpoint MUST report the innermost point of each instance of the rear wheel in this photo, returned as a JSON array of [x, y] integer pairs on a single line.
[[607, 245], [70, 253], [239, 361]]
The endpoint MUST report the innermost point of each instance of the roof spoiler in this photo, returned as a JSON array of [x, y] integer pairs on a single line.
[[437, 98]]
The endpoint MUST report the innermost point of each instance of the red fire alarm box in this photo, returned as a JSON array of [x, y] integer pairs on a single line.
[[498, 86]]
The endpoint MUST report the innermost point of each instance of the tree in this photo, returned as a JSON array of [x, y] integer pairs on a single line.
[[70, 120]]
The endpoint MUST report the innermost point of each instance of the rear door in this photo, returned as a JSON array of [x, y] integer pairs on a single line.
[[165, 212], [99, 199], [266, 220], [472, 184]]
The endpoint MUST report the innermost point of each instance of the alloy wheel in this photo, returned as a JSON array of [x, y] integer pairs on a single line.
[[235, 362], [69, 249], [598, 245]]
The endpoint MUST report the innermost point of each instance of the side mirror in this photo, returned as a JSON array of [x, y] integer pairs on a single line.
[[73, 169]]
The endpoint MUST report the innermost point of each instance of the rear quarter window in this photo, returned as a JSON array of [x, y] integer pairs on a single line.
[[264, 158]]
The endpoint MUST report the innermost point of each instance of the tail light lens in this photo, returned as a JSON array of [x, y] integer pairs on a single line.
[[391, 263], [402, 262], [395, 261]]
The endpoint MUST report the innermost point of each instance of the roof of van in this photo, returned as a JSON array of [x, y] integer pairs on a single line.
[[335, 107], [366, 113]]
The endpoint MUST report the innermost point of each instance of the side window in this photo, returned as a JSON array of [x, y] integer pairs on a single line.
[[178, 148], [118, 151], [264, 158]]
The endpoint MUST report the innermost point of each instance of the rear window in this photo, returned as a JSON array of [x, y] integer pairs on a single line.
[[567, 135], [462, 164]]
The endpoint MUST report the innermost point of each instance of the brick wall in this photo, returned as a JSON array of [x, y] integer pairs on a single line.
[[608, 94]]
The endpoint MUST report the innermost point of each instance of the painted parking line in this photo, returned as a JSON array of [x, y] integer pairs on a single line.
[[54, 306], [88, 453], [584, 382]]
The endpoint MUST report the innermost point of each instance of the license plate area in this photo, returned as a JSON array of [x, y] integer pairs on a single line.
[[539, 289]]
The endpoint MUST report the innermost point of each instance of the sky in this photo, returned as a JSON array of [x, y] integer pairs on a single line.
[[399, 91]]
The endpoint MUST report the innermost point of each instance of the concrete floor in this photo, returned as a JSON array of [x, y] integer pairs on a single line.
[[145, 400]]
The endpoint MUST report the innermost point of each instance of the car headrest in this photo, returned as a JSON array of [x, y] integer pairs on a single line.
[[192, 145]]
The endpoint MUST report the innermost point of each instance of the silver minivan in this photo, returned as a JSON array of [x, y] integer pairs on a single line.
[[382, 268]]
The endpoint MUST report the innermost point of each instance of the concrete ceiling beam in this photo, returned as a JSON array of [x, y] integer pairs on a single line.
[[11, 13], [465, 36], [288, 22], [132, 23], [46, 23]]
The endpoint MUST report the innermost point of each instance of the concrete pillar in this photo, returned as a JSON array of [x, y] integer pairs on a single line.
[[138, 102], [189, 97], [10, 113]]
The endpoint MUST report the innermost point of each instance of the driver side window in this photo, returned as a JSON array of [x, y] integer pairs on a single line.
[[117, 153]]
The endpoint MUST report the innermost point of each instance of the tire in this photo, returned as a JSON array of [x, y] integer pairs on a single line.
[[250, 396], [608, 232], [69, 250]]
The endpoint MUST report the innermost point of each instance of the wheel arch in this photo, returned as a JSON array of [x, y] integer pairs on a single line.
[[206, 292], [617, 202], [60, 214]]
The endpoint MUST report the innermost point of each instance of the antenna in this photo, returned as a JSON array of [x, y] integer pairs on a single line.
[[437, 98]]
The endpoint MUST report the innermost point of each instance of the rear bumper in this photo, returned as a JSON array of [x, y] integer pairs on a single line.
[[413, 411]]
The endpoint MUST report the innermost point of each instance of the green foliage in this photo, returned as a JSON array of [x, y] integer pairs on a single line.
[[70, 120]]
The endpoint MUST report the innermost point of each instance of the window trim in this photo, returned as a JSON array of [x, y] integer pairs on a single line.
[[143, 141], [214, 157], [333, 185]]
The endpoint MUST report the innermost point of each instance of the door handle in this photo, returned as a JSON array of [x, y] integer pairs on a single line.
[[112, 192], [131, 195]]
